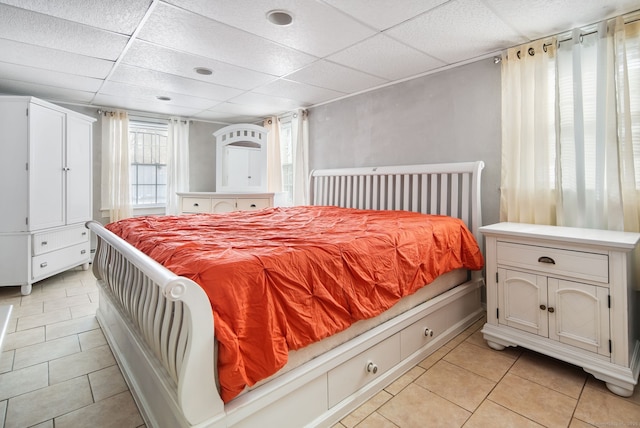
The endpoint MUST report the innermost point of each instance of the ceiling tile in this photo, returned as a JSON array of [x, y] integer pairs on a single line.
[[42, 30], [51, 78], [386, 58], [266, 102], [317, 28], [478, 31], [51, 93], [301, 92], [547, 17], [154, 57], [230, 112], [124, 90], [120, 16], [181, 30], [143, 105], [53, 60], [333, 76], [167, 82], [383, 14]]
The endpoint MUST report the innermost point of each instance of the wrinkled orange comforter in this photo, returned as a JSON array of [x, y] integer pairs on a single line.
[[282, 278]]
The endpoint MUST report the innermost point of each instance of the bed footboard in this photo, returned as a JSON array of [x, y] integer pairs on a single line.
[[146, 310]]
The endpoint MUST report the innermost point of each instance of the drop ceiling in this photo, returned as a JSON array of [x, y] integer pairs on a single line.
[[127, 53]]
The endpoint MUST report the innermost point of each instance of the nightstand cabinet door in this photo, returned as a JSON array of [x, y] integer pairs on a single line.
[[579, 315], [520, 298]]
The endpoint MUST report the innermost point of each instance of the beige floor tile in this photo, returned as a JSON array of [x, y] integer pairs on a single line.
[[6, 361], [81, 288], [482, 361], [43, 294], [3, 412], [366, 409], [606, 409], [18, 382], [32, 321], [12, 325], [46, 403], [540, 404], [550, 372], [118, 411], [88, 309], [477, 339], [95, 297], [26, 310], [80, 363], [92, 339], [490, 414], [460, 386], [419, 408], [577, 423], [45, 424], [66, 302], [404, 380], [107, 382], [23, 338], [41, 352], [434, 358], [71, 326], [599, 385], [376, 420]]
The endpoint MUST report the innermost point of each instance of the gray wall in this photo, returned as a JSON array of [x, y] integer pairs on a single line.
[[450, 116]]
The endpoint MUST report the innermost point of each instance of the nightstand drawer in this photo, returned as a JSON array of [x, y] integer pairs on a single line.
[[568, 263]]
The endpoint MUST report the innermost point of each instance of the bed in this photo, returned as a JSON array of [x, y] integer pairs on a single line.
[[160, 325]]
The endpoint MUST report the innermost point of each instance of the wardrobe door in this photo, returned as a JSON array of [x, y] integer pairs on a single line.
[[46, 167], [78, 170]]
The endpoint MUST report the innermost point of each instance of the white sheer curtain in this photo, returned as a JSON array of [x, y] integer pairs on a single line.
[[586, 107], [177, 163], [115, 165], [528, 135], [274, 164], [300, 143]]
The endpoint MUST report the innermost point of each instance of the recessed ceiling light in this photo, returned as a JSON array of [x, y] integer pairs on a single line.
[[163, 98], [279, 17], [203, 70]]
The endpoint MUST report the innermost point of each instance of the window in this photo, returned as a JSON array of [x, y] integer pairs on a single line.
[[148, 171], [286, 159]]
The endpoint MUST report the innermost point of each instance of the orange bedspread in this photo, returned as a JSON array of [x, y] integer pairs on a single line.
[[282, 278]]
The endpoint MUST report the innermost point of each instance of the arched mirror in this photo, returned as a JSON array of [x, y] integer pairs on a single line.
[[241, 158]]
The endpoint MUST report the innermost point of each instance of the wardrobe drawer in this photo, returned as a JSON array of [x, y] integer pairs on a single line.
[[555, 261], [44, 242], [50, 263], [356, 372], [196, 205], [253, 204]]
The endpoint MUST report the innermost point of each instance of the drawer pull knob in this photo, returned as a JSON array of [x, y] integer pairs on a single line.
[[372, 368], [196, 205], [84, 233], [551, 310], [43, 264], [83, 252], [428, 332], [545, 259], [253, 205], [543, 307]]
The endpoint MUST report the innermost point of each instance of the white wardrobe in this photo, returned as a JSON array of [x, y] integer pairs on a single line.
[[46, 188]]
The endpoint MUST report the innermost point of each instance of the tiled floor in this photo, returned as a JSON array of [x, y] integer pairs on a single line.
[[57, 371]]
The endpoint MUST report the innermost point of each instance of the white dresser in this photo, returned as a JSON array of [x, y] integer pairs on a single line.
[[214, 202], [46, 186], [569, 293]]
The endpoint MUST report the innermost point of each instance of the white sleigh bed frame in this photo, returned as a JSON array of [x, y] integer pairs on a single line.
[[160, 325]]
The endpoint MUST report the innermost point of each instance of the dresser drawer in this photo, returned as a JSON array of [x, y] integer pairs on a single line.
[[53, 240], [352, 375], [547, 260], [196, 205], [253, 204], [55, 261], [421, 332]]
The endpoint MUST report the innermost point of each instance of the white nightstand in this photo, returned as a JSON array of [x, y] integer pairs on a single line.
[[566, 292]]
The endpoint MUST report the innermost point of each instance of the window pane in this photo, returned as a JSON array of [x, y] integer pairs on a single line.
[[148, 163], [162, 174], [147, 174]]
